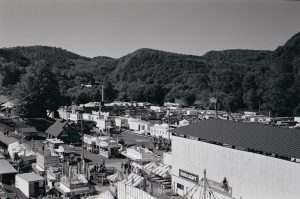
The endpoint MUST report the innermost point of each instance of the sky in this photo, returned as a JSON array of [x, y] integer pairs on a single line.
[[115, 28]]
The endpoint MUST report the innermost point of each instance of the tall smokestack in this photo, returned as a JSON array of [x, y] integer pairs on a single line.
[[102, 93]]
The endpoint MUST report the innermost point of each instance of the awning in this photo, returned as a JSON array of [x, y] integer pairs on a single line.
[[162, 170], [16, 147], [51, 178], [136, 165], [151, 166], [119, 176], [133, 180]]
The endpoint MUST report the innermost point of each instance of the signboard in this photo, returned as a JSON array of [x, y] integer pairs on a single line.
[[189, 176]]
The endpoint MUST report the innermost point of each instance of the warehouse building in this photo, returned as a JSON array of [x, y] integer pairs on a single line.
[[241, 160]]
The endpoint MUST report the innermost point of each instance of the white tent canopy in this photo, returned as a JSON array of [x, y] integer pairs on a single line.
[[133, 180], [118, 176], [162, 170], [9, 104], [151, 166], [18, 148]]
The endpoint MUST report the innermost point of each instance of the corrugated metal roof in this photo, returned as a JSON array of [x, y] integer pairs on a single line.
[[28, 129], [6, 167], [260, 137], [3, 99], [30, 177], [56, 128]]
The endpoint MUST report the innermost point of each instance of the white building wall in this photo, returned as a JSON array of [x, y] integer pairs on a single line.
[[86, 116], [251, 176], [297, 119], [102, 123], [63, 114], [139, 126], [167, 158], [133, 125], [94, 118], [75, 117], [22, 185], [160, 130], [156, 108], [191, 112], [184, 123], [121, 122], [129, 192]]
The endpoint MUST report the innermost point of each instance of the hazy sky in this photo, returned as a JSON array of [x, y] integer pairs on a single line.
[[117, 27]]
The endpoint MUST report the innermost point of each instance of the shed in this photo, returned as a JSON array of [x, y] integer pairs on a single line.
[[31, 184], [7, 172], [56, 129]]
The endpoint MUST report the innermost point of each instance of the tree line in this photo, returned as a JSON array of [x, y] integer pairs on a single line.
[[45, 77]]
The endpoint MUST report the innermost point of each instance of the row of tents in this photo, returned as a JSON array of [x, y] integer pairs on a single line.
[[133, 179]]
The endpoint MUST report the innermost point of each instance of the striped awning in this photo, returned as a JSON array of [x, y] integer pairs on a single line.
[[162, 170], [118, 176], [151, 166], [133, 179]]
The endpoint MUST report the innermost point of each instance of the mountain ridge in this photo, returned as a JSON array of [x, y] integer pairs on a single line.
[[240, 77]]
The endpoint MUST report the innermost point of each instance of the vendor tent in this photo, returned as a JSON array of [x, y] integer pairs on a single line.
[[118, 176], [162, 170], [17, 148], [151, 166], [133, 180]]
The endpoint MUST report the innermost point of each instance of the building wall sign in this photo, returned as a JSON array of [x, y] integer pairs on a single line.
[[189, 176]]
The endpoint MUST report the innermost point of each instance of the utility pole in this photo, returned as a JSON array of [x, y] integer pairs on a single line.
[[216, 108], [169, 114], [214, 101], [82, 142], [102, 99], [102, 95], [100, 104], [204, 184]]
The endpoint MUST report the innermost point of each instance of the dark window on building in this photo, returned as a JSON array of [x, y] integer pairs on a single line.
[[180, 186]]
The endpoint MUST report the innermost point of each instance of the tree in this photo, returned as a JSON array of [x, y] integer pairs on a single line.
[[189, 98], [37, 91], [110, 93], [155, 93], [10, 73]]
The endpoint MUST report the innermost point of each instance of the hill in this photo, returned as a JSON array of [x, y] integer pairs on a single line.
[[243, 79]]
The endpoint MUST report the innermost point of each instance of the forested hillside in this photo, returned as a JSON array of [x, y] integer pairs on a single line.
[[241, 78]]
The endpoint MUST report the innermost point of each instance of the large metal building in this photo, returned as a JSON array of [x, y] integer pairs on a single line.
[[255, 160]]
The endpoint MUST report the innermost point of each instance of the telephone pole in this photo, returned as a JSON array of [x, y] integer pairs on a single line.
[[169, 113], [82, 142], [102, 99]]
